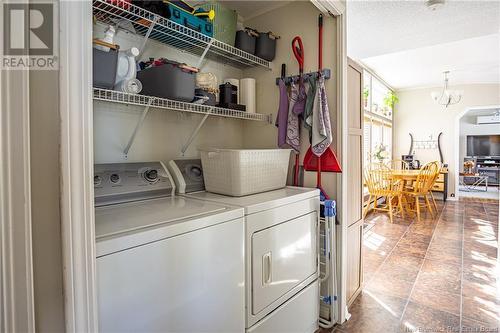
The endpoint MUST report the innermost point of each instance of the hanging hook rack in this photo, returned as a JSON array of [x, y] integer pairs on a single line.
[[326, 73], [427, 144]]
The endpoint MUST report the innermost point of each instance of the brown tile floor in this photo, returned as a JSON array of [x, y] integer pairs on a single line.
[[437, 275]]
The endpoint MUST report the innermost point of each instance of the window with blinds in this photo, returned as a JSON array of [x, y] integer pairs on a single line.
[[378, 120]]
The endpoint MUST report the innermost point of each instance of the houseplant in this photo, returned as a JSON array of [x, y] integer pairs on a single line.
[[366, 94], [381, 153], [390, 100]]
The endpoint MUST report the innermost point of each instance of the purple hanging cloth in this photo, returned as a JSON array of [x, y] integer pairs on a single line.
[[300, 103], [282, 117]]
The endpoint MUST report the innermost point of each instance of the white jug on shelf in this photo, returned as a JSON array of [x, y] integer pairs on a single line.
[[126, 72]]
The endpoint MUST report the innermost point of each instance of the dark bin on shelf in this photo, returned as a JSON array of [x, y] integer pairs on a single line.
[[104, 68], [228, 93], [265, 47], [170, 81], [245, 40]]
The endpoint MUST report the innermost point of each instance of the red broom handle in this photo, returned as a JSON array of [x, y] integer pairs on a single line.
[[320, 66]]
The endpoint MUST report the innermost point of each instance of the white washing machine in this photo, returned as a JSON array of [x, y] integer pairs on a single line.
[[281, 242], [165, 263]]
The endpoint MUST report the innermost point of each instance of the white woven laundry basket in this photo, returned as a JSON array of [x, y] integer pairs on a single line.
[[238, 172]]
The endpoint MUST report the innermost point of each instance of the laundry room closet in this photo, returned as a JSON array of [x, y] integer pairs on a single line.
[[256, 256]]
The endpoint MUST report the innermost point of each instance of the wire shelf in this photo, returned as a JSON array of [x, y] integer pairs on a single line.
[[168, 104], [173, 34]]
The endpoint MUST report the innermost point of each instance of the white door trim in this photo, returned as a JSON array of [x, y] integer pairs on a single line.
[[456, 158], [337, 8], [16, 267], [77, 196], [342, 136]]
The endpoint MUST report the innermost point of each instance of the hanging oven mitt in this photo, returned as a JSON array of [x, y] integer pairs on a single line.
[[321, 127]]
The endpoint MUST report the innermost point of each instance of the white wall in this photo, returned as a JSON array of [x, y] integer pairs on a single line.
[[468, 126], [418, 114]]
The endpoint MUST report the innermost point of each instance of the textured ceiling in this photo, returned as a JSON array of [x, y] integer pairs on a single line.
[[473, 60], [381, 27]]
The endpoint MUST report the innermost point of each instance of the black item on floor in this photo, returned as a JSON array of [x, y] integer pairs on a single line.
[[203, 94], [157, 7], [104, 68], [233, 106], [172, 81], [228, 94], [246, 40], [265, 47]]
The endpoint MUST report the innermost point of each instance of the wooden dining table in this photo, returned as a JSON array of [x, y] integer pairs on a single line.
[[405, 175]]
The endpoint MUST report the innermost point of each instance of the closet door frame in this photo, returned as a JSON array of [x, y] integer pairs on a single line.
[[77, 166]]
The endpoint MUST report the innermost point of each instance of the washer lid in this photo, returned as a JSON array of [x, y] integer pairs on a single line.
[[262, 201], [133, 216]]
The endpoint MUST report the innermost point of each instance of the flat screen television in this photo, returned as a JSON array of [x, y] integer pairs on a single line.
[[483, 145]]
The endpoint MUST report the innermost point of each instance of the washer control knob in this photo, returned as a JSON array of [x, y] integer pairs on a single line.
[[114, 178], [196, 171], [151, 175], [97, 180]]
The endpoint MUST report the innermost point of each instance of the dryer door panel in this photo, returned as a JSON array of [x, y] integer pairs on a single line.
[[282, 257]]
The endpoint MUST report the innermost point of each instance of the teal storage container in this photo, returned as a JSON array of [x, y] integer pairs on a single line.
[[191, 21]]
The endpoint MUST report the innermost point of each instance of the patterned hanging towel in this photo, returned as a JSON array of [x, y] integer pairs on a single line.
[[282, 117], [293, 128], [321, 127]]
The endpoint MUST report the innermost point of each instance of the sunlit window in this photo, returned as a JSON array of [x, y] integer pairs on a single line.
[[378, 120], [378, 111]]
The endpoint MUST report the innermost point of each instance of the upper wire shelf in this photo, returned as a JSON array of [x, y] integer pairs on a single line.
[[168, 104], [173, 34]]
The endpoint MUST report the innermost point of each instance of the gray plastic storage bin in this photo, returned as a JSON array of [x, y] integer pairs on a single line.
[[104, 68], [168, 81], [245, 41], [265, 47]]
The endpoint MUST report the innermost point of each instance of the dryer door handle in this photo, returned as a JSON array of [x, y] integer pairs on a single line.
[[267, 268]]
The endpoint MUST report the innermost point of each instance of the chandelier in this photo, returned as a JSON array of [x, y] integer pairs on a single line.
[[446, 97]]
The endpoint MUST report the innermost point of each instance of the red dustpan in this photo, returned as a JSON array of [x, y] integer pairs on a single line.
[[328, 162]]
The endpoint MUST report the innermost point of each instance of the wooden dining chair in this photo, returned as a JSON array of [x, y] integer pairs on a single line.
[[434, 182], [398, 165], [421, 188], [378, 178]]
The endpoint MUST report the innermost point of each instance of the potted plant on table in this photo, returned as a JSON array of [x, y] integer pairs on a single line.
[[381, 153]]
